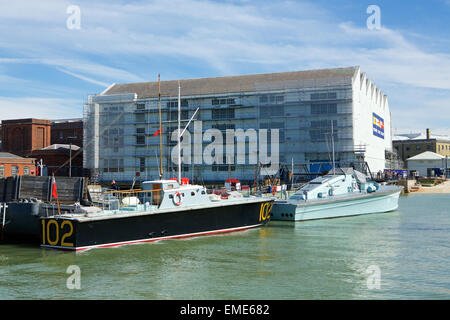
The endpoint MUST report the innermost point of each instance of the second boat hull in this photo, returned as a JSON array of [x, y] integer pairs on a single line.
[[348, 206]]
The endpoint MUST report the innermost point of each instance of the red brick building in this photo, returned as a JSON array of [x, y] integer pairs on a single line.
[[22, 136], [48, 140], [56, 159], [13, 165], [67, 131]]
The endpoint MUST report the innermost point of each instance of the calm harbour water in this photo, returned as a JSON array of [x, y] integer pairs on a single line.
[[323, 259]]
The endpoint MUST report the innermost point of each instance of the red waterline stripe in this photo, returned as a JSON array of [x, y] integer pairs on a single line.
[[116, 244]]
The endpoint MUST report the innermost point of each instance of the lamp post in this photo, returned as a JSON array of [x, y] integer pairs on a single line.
[[70, 155]]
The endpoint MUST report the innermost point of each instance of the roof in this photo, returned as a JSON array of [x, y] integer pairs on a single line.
[[427, 155], [420, 136], [228, 84], [9, 155], [61, 147]]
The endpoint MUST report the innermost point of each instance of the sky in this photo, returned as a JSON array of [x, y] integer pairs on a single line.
[[53, 54]]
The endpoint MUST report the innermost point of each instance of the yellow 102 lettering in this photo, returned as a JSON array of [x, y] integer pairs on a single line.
[[264, 212], [52, 224]]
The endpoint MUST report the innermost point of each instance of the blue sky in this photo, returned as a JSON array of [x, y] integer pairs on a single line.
[[47, 70]]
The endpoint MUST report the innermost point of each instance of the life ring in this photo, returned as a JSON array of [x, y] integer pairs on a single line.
[[274, 190], [177, 195]]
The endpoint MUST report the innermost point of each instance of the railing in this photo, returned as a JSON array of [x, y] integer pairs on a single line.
[[116, 199]]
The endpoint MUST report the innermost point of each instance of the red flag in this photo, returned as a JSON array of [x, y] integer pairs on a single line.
[[54, 192], [158, 132]]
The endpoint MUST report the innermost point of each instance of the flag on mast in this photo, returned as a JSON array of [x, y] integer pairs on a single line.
[[158, 132], [55, 193], [54, 190]]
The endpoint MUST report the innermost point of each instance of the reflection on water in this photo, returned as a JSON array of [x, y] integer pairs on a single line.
[[322, 259]]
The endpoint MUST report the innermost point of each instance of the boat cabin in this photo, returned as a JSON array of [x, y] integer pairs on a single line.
[[170, 194], [346, 182]]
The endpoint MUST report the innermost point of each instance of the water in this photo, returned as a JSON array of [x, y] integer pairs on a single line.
[[323, 259]]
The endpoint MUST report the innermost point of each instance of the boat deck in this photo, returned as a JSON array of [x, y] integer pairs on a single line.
[[95, 213], [348, 196]]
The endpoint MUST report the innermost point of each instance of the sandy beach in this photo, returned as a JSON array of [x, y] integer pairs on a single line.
[[440, 188]]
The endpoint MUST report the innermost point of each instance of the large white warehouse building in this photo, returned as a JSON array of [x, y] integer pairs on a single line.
[[305, 107]]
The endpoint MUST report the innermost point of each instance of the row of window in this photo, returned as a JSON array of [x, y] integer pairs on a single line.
[[323, 127], [271, 111], [323, 108], [267, 98], [428, 147], [14, 171], [218, 102], [220, 114], [323, 95], [174, 104], [113, 165], [271, 99], [321, 130]]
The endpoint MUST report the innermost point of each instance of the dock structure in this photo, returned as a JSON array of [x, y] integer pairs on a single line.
[[122, 132], [70, 190]]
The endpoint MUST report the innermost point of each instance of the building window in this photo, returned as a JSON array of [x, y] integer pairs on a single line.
[[323, 95], [26, 171], [321, 130], [219, 114], [324, 108], [418, 148], [174, 104], [140, 117], [113, 165], [142, 164], [271, 111], [271, 99], [2, 171], [14, 171], [61, 135], [428, 147], [184, 115], [140, 106], [218, 102], [140, 140]]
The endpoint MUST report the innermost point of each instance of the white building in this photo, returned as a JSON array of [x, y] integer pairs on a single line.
[[303, 105], [427, 164]]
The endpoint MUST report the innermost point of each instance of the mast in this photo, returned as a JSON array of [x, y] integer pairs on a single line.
[[160, 129], [292, 174], [179, 133], [332, 146]]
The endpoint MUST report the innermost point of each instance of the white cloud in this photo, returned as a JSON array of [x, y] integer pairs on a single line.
[[118, 41], [41, 108]]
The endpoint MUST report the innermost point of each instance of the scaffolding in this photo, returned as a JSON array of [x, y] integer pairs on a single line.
[[119, 140]]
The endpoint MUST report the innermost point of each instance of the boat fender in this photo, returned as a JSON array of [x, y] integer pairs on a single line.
[[177, 195]]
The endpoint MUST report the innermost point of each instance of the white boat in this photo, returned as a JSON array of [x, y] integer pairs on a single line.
[[345, 193]]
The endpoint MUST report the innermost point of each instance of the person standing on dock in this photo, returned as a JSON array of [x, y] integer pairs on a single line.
[[114, 185], [284, 191]]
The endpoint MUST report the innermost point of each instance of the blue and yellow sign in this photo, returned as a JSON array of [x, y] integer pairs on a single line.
[[378, 125]]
